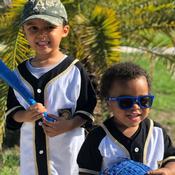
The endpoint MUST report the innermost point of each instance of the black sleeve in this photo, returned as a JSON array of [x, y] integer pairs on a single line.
[[87, 98], [89, 158], [169, 149], [169, 154], [12, 107]]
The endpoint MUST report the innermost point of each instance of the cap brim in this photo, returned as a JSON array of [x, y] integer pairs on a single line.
[[50, 19]]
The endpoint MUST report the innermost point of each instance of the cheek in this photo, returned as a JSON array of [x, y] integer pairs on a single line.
[[110, 106], [31, 42], [145, 112], [113, 107], [25, 35], [28, 37], [55, 37]]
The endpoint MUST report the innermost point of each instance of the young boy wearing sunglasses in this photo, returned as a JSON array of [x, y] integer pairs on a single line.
[[128, 134]]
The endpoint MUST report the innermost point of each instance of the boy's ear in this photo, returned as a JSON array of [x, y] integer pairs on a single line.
[[65, 30], [108, 103], [109, 106]]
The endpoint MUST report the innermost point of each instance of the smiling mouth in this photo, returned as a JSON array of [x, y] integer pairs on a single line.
[[134, 116], [43, 43]]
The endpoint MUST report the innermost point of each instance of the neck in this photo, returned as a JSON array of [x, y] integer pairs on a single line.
[[47, 59], [127, 131]]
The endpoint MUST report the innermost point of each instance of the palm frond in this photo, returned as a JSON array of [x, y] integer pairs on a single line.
[[97, 37], [147, 25], [16, 47], [3, 93], [12, 37], [148, 15]]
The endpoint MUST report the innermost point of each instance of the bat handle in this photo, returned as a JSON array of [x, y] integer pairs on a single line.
[[45, 115], [47, 118]]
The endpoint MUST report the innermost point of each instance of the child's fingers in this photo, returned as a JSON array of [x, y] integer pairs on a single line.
[[37, 117], [50, 131], [34, 113], [41, 107], [50, 123], [156, 172], [53, 116], [37, 107]]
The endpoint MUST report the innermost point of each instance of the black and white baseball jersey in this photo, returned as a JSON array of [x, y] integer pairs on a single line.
[[106, 145], [66, 87]]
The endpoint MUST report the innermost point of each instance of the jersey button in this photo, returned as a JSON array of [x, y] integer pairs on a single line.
[[136, 149], [40, 123], [41, 152], [39, 91]]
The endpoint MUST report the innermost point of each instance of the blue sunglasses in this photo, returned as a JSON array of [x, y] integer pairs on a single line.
[[127, 102]]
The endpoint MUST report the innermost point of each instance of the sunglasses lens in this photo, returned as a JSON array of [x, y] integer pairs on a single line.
[[125, 103], [146, 101]]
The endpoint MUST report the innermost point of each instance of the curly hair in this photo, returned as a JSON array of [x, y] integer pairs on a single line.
[[121, 72]]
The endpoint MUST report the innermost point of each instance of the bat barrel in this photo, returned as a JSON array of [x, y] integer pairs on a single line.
[[12, 80]]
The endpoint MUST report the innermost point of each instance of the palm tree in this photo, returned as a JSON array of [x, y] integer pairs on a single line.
[[148, 25], [93, 38]]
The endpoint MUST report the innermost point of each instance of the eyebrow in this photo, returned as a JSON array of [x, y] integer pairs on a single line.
[[30, 23]]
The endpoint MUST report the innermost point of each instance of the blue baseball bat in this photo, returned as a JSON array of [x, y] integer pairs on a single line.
[[13, 81]]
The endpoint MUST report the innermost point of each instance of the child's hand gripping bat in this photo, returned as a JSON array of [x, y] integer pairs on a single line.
[[13, 81]]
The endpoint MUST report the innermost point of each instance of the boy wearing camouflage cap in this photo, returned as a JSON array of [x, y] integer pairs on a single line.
[[61, 86]]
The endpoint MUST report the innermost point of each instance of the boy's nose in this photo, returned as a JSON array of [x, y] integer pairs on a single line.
[[42, 33], [136, 104]]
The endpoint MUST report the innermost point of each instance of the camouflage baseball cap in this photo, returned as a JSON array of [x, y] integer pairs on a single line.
[[52, 11]]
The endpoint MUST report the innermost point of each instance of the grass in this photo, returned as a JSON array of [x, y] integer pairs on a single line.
[[9, 161]]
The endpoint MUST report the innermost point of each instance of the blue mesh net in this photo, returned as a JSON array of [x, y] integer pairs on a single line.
[[126, 167]]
